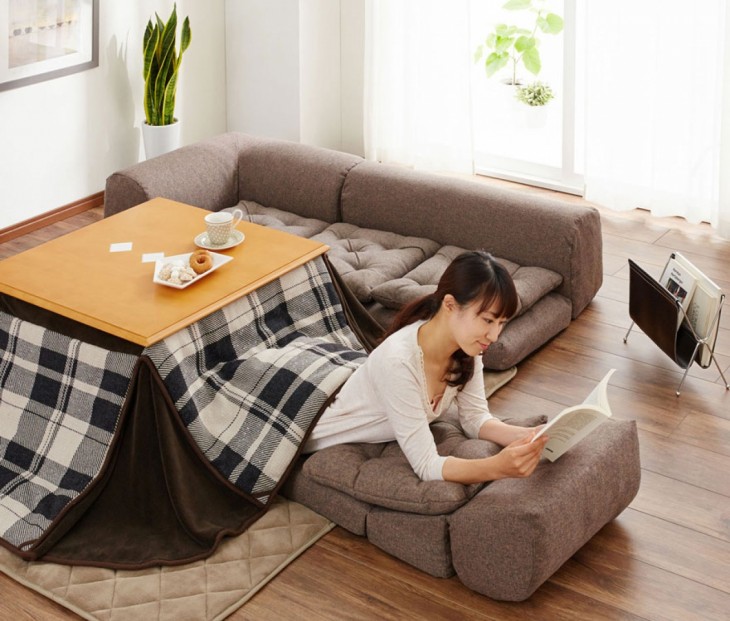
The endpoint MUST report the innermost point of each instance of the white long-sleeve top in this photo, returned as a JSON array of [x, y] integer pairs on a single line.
[[386, 399]]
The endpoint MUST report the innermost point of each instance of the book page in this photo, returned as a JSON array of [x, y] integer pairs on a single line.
[[570, 422], [576, 422], [599, 395]]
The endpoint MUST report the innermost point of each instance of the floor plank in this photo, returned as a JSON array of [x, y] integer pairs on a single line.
[[668, 546], [675, 458], [618, 580], [684, 504]]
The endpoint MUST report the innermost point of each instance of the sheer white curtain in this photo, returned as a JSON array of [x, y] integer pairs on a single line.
[[417, 84], [654, 106], [657, 98], [723, 216]]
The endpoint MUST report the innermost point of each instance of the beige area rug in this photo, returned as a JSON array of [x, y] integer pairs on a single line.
[[202, 591], [494, 380]]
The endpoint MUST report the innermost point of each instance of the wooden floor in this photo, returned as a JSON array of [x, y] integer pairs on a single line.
[[667, 557]]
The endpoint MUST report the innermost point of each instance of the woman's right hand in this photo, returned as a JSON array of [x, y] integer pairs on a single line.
[[517, 460], [520, 458]]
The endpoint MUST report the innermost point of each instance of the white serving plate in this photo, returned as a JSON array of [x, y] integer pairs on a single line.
[[218, 260]]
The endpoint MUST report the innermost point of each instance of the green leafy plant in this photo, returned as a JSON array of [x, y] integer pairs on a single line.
[[515, 44], [161, 66], [535, 94]]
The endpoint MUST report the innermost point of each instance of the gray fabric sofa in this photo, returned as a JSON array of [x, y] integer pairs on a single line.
[[392, 231]]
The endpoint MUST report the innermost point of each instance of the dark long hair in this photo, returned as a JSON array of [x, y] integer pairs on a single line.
[[471, 276]]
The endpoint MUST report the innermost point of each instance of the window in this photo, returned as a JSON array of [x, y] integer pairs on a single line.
[[513, 140]]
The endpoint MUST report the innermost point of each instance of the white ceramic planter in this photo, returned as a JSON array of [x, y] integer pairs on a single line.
[[159, 139], [535, 116]]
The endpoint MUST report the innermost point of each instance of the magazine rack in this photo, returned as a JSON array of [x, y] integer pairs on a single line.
[[661, 316]]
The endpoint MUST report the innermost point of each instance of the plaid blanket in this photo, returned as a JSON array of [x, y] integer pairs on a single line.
[[91, 447], [60, 401], [249, 380]]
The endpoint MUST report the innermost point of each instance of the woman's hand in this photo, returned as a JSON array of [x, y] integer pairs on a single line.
[[520, 458]]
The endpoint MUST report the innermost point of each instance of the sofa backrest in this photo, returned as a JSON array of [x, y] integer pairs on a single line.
[[523, 227], [218, 172], [314, 182], [299, 178], [204, 174]]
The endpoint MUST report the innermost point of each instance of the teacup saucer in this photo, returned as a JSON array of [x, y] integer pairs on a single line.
[[202, 241]]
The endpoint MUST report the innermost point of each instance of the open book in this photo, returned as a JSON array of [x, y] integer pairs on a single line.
[[576, 422], [702, 306]]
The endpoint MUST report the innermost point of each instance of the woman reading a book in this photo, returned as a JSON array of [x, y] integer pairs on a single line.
[[430, 359]]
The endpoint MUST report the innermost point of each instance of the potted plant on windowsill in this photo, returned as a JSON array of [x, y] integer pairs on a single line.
[[517, 45], [535, 96], [161, 130]]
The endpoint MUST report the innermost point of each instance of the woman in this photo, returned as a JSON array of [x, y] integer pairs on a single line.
[[431, 358]]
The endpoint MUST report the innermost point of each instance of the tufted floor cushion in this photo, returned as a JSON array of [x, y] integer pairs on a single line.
[[280, 220], [367, 258], [541, 314], [532, 283], [379, 474], [386, 270]]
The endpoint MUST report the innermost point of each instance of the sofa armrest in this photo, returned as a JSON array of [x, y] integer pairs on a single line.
[[526, 228], [204, 174], [516, 533]]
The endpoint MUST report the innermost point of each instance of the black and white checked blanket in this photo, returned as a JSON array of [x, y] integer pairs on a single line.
[[60, 400], [249, 379], [247, 382]]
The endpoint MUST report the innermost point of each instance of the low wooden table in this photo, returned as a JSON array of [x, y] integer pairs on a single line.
[[76, 275]]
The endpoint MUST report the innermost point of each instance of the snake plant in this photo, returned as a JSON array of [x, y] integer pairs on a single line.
[[161, 65]]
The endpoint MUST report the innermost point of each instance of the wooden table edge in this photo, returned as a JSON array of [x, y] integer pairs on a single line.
[[147, 341]]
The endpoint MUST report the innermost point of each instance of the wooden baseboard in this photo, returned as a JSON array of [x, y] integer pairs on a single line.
[[44, 219]]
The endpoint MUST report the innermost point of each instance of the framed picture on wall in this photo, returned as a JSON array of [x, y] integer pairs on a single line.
[[46, 39]]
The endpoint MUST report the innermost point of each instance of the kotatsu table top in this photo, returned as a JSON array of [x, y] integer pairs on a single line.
[[81, 277]]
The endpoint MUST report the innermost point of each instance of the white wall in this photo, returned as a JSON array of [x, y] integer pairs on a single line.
[[352, 78], [295, 70], [262, 67], [60, 139], [320, 68]]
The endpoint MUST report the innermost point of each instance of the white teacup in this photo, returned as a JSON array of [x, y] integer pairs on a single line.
[[220, 224]]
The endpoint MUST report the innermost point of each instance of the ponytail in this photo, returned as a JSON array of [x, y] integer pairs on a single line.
[[471, 276], [417, 310]]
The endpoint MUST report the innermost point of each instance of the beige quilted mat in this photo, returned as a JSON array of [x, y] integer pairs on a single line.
[[205, 590], [494, 380]]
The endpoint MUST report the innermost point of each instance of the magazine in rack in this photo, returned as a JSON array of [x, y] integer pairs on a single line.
[[679, 281], [701, 304]]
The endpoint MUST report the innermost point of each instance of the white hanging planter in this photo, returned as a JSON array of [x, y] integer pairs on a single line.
[[159, 139], [535, 116]]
